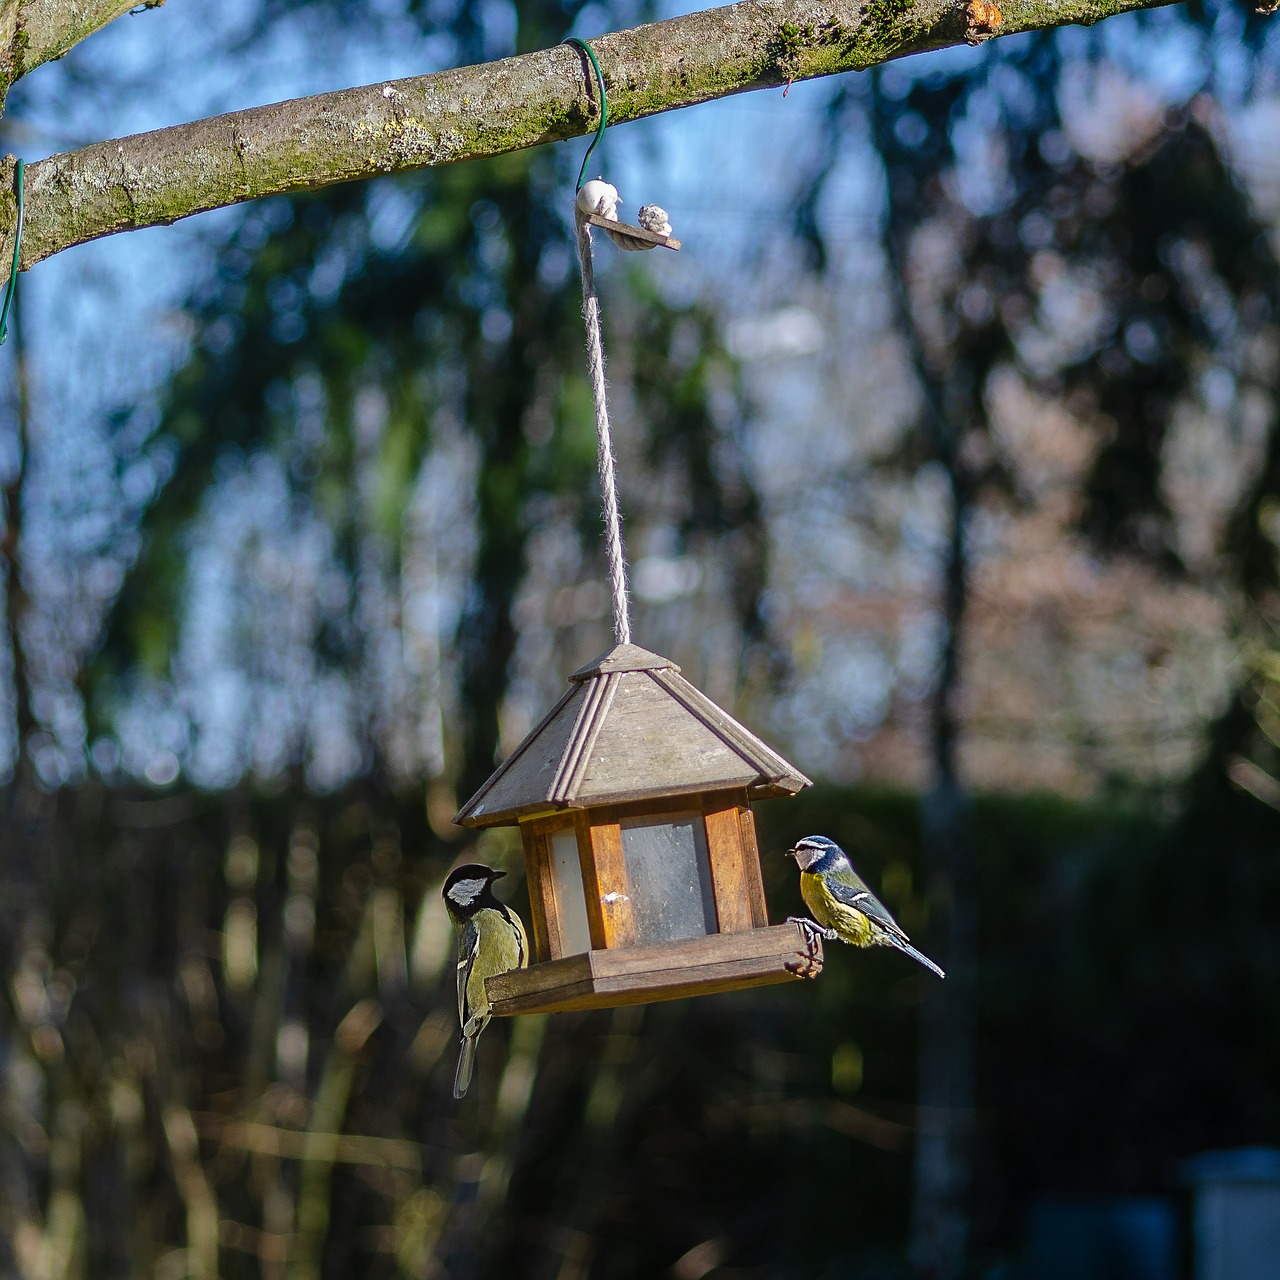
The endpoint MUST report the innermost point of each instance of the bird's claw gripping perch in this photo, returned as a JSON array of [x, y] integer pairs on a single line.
[[813, 928], [808, 963]]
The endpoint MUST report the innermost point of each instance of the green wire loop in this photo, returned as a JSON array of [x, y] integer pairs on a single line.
[[17, 248], [604, 104]]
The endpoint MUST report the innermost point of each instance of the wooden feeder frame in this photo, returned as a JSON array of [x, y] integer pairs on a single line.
[[737, 889], [632, 739]]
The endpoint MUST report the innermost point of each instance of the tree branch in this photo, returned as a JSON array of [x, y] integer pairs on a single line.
[[153, 179], [33, 32]]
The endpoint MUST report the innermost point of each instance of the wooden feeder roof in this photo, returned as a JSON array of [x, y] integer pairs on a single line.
[[629, 727]]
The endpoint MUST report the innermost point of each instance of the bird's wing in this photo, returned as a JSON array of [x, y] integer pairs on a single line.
[[468, 949], [852, 892], [522, 938]]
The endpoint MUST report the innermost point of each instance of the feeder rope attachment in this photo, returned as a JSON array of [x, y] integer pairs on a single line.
[[651, 217], [19, 169], [604, 104]]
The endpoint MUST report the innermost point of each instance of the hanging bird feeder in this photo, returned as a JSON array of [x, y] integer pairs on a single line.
[[633, 802], [633, 794]]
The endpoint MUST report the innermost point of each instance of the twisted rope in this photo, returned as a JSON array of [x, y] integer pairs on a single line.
[[604, 453]]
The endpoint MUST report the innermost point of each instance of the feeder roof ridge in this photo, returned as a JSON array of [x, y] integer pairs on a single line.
[[624, 657], [629, 727]]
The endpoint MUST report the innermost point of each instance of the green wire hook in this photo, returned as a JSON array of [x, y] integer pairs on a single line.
[[604, 105], [17, 248]]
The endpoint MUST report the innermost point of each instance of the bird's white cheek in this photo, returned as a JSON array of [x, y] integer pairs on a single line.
[[465, 892]]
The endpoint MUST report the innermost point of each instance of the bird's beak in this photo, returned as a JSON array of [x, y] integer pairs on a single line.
[[790, 853], [497, 875]]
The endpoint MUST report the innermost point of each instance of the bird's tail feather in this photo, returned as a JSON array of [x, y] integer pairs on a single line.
[[916, 955], [466, 1064]]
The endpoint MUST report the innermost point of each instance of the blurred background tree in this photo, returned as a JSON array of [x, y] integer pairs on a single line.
[[949, 456]]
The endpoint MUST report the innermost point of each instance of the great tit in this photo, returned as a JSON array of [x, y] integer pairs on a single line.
[[842, 904], [491, 940]]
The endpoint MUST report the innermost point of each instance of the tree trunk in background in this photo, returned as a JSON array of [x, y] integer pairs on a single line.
[[16, 603], [501, 387], [941, 1211], [25, 820]]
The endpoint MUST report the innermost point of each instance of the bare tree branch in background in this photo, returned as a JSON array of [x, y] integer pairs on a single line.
[[33, 32], [154, 179]]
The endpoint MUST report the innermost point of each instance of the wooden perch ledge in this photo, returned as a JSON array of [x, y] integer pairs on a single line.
[[154, 179]]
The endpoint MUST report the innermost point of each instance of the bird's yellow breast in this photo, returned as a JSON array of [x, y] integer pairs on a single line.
[[503, 946], [852, 926]]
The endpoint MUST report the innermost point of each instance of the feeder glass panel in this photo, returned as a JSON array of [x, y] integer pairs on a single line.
[[571, 898], [669, 876]]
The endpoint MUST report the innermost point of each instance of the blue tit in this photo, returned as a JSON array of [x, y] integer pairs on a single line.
[[491, 940], [842, 904]]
